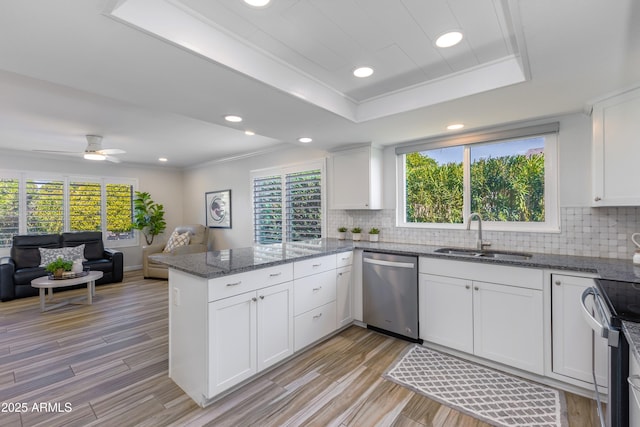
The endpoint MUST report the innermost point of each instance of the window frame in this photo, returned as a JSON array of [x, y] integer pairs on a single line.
[[283, 171], [552, 211], [24, 176]]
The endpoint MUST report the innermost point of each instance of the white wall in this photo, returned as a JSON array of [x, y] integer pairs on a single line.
[[164, 185], [234, 175]]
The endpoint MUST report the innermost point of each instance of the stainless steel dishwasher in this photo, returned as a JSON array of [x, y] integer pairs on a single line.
[[390, 287]]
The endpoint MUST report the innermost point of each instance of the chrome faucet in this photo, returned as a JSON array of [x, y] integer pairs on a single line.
[[479, 243]]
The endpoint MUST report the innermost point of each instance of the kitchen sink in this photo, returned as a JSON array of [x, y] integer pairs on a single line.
[[507, 256]]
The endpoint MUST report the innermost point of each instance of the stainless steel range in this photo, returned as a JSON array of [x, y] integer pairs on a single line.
[[605, 306]]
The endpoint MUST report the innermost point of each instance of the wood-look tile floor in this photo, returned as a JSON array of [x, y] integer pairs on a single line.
[[106, 364]]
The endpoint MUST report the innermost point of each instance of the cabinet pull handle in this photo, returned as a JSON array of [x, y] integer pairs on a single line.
[[261, 296], [476, 288], [235, 283], [316, 265], [558, 282], [597, 199], [317, 316], [254, 299], [339, 274], [317, 289], [275, 274], [467, 287]]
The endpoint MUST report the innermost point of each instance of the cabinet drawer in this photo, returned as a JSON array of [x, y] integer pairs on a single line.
[[313, 291], [344, 258], [314, 265], [314, 325], [227, 286]]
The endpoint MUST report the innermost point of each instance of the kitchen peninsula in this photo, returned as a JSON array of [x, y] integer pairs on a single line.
[[234, 313]]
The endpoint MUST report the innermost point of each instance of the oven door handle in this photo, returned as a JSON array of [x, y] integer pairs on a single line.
[[603, 329]]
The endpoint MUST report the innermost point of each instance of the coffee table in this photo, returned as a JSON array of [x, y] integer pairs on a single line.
[[44, 283]]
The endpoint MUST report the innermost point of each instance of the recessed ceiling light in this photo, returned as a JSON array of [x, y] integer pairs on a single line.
[[234, 119], [363, 72], [257, 3], [449, 39], [305, 140], [94, 156], [455, 126], [249, 132], [162, 159]]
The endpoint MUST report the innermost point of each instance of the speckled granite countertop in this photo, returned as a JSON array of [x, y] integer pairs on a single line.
[[231, 261]]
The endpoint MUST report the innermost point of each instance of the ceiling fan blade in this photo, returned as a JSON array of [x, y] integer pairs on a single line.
[[55, 151], [112, 159], [108, 151]]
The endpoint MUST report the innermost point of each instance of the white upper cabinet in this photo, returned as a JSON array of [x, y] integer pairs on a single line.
[[616, 150], [355, 178]]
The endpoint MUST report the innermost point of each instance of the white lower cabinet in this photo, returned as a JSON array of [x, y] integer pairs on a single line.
[[247, 333], [344, 296], [446, 311], [315, 300], [574, 348], [508, 325], [502, 322], [634, 394]]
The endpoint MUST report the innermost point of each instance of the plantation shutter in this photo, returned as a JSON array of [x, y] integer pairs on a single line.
[[85, 206], [119, 211], [304, 205], [45, 206], [9, 210], [267, 209]]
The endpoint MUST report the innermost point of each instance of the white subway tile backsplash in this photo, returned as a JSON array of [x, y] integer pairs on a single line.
[[584, 231]]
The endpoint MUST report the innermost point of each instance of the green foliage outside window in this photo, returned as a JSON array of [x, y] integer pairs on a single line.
[[505, 188], [509, 188], [434, 192]]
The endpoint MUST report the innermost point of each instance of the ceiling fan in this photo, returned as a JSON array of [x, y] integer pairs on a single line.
[[93, 151]]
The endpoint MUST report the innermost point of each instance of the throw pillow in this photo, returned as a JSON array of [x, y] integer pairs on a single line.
[[176, 240], [68, 254]]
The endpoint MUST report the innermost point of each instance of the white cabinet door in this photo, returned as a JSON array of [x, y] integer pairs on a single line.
[[616, 151], [344, 296], [232, 341], [446, 311], [572, 338], [508, 325], [634, 395], [356, 179], [275, 324]]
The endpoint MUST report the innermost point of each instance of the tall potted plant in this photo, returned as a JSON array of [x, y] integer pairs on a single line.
[[148, 216]]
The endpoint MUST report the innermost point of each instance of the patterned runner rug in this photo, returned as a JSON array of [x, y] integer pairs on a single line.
[[492, 396]]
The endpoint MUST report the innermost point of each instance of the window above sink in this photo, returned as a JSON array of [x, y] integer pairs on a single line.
[[509, 177]]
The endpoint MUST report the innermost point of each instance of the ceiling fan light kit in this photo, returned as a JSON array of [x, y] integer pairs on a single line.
[[93, 151]]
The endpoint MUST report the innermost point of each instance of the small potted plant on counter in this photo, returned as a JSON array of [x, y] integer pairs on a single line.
[[58, 267], [355, 233], [342, 233], [374, 233]]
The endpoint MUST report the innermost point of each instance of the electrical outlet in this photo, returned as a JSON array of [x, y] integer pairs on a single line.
[[176, 297]]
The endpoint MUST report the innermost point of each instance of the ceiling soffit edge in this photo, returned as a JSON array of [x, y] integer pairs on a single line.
[[173, 22]]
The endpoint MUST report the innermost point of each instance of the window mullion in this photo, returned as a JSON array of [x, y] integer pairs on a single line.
[[466, 184]]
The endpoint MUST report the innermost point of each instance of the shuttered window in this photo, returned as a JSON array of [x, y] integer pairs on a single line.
[[9, 209], [267, 209], [31, 204], [45, 206], [85, 206], [119, 211], [288, 203], [304, 205]]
